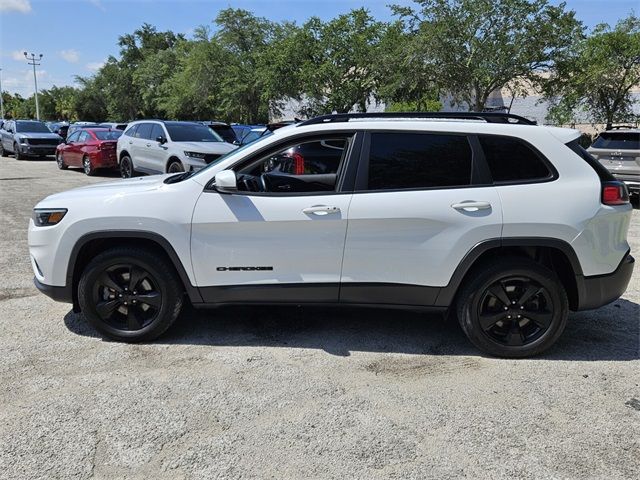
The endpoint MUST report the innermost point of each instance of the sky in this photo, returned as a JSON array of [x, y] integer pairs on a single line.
[[76, 36]]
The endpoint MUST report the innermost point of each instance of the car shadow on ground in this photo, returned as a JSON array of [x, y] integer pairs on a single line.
[[611, 333]]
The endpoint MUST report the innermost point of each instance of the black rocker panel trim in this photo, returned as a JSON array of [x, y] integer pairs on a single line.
[[192, 292], [272, 293], [388, 293]]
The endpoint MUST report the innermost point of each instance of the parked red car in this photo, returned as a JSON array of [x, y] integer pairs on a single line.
[[89, 148]]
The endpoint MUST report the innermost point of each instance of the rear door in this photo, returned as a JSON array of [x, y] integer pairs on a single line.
[[421, 203]]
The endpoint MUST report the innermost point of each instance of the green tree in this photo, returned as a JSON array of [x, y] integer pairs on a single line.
[[336, 61], [598, 76], [469, 48]]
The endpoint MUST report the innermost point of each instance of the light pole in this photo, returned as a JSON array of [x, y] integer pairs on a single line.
[[33, 61]]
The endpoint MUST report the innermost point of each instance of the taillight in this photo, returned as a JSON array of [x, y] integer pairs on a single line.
[[614, 193], [298, 164]]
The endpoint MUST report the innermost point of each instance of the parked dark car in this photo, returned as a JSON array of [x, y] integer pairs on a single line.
[[89, 148], [224, 130], [26, 138], [60, 128]]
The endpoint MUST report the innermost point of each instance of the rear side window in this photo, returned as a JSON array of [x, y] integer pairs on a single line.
[[131, 131], [418, 160], [512, 160], [618, 141]]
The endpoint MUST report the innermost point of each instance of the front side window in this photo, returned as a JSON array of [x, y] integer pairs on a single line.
[[310, 166], [418, 160], [512, 160], [157, 131]]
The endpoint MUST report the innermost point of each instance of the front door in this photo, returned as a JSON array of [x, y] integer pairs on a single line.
[[281, 237], [415, 214]]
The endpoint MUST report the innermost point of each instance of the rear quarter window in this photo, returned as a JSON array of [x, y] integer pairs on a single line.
[[512, 160]]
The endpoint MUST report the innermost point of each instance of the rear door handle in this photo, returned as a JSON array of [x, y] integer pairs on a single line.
[[148, 144], [320, 210], [471, 206]]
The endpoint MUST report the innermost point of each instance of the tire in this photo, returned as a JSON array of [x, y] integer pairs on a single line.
[[16, 153], [2, 152], [117, 309], [126, 167], [512, 308], [87, 167], [60, 162], [175, 166]]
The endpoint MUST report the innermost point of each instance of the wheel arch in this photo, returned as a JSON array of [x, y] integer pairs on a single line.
[[172, 159], [89, 245], [553, 253], [122, 154]]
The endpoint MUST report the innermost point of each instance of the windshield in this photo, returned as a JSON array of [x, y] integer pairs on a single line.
[[35, 127], [618, 140], [110, 135], [191, 133]]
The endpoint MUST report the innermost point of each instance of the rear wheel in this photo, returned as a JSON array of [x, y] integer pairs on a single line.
[[87, 166], [2, 152], [60, 161], [130, 294], [175, 167], [126, 167], [513, 308]]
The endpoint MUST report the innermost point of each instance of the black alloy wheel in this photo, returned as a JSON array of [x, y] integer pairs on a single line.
[[126, 167], [126, 297], [515, 311], [512, 307], [1, 149], [130, 294]]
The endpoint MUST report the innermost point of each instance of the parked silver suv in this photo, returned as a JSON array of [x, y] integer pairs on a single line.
[[619, 151]]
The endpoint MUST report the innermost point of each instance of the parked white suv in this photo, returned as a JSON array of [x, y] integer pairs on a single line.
[[506, 224], [157, 146]]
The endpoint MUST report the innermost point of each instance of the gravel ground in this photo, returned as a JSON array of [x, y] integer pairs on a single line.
[[301, 392]]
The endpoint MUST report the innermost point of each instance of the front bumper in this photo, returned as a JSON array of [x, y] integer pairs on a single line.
[[600, 290], [59, 294], [27, 149]]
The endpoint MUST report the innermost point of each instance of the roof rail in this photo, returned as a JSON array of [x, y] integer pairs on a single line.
[[489, 117]]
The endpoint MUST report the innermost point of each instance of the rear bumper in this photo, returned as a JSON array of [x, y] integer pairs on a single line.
[[600, 290], [632, 182], [59, 294]]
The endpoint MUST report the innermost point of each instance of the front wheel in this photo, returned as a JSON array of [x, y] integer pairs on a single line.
[[2, 152], [16, 152], [513, 308], [130, 294], [175, 167]]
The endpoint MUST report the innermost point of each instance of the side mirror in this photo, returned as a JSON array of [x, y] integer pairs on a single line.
[[226, 181], [161, 140]]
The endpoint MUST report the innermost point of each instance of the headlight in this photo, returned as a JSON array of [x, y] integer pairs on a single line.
[[195, 155], [22, 140], [45, 217]]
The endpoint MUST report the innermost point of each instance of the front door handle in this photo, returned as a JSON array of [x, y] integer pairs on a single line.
[[320, 210], [471, 206]]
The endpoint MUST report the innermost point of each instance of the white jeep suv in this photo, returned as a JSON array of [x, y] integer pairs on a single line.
[[506, 224], [158, 146]]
